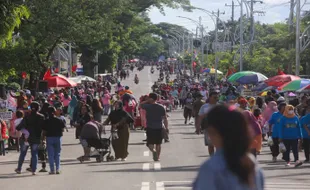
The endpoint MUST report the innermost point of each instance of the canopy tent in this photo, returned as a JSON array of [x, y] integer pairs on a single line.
[[59, 81], [79, 79]]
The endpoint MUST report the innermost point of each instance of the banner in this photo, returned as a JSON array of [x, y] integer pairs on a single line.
[[6, 115]]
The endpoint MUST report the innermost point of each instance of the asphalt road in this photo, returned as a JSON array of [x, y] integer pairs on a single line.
[[178, 167]]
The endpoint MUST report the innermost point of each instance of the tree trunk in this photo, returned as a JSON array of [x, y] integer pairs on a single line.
[[87, 61]]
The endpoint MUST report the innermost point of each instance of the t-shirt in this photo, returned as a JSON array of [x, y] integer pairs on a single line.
[[54, 127], [154, 115], [305, 121], [275, 122], [33, 123], [204, 109]]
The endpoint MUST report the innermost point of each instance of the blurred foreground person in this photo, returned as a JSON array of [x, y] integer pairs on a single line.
[[232, 167]]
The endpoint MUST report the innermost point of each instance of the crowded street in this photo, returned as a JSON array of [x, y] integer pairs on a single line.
[[178, 167]]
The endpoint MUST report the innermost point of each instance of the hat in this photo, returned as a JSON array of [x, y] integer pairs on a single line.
[[281, 99]]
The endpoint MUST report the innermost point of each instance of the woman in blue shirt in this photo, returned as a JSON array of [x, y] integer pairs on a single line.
[[232, 167], [305, 126], [274, 129], [289, 134]]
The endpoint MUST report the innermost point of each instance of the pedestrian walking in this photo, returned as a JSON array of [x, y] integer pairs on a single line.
[[157, 121], [53, 130], [33, 123]]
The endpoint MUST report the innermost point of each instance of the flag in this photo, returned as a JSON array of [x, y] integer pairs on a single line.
[[280, 72], [47, 74], [74, 67], [230, 71]]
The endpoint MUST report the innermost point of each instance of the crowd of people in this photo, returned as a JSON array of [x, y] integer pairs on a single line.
[[39, 124]]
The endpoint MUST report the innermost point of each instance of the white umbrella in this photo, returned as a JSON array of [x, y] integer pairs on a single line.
[[80, 78]]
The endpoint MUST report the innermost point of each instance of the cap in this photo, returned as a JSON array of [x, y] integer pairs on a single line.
[[281, 99]]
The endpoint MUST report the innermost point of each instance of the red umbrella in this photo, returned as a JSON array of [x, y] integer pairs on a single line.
[[280, 80], [59, 81]]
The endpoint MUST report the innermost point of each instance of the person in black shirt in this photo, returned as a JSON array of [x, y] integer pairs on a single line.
[[53, 130], [33, 123]]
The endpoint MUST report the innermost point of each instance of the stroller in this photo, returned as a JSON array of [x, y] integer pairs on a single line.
[[102, 149]]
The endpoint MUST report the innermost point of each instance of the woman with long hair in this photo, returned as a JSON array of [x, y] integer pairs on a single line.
[[97, 110], [231, 167]]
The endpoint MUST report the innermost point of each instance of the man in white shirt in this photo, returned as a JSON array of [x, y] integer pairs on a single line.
[[213, 99]]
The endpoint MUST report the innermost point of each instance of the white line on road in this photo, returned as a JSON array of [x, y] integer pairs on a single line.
[[146, 153], [157, 166], [160, 186], [146, 167], [178, 188], [145, 186], [178, 181]]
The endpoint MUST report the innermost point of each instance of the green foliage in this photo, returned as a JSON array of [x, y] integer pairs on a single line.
[[11, 14]]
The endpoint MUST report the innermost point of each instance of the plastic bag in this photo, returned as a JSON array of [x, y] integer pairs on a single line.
[[270, 141], [114, 135], [282, 148]]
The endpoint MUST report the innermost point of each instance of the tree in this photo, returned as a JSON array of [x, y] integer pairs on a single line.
[[11, 14]]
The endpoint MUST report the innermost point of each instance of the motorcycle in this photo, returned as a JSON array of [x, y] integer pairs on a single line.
[[152, 70]]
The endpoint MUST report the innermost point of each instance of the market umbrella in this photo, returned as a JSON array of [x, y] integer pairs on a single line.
[[247, 77], [80, 78], [280, 80], [259, 87], [59, 81], [295, 85], [212, 71]]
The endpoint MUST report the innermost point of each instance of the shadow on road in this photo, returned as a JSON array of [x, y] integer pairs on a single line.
[[166, 169]]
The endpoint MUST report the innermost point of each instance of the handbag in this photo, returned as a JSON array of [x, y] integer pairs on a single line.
[[282, 147]]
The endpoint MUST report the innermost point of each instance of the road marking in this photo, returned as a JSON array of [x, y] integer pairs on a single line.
[[160, 186], [146, 167], [157, 166], [146, 153], [145, 186], [178, 181]]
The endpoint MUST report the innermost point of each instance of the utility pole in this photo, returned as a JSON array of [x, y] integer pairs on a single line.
[[291, 31], [216, 39], [241, 35], [297, 37], [252, 20], [202, 41], [232, 22]]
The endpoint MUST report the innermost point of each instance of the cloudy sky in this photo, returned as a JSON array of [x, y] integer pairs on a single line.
[[276, 11]]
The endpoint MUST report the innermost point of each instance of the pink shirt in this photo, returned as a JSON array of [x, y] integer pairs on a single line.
[[106, 99], [66, 102]]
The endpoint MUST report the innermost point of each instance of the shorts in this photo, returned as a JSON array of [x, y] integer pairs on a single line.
[[154, 136], [207, 139]]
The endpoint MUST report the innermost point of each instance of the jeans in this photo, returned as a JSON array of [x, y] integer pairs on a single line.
[[290, 144], [306, 145], [23, 153], [53, 151]]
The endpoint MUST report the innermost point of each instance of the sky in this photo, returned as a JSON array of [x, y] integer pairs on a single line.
[[275, 11]]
